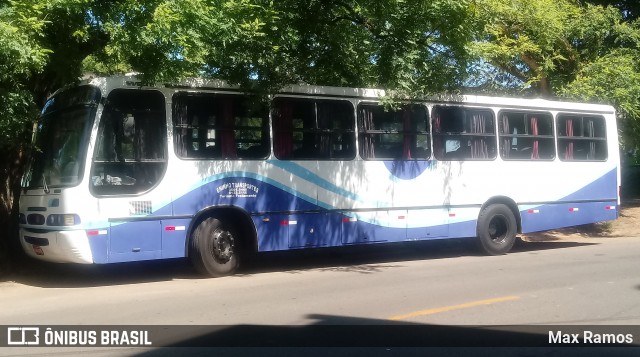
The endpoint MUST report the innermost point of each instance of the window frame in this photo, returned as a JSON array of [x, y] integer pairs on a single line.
[[126, 189], [219, 127], [281, 139], [526, 135], [574, 139], [408, 142], [441, 136]]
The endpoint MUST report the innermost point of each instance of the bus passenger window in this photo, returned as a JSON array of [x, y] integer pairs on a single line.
[[393, 134], [130, 153], [220, 126], [581, 138], [463, 133], [526, 136], [313, 129]]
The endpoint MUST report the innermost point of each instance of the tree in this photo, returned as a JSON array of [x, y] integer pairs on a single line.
[[20, 59], [614, 79], [542, 43], [406, 44]]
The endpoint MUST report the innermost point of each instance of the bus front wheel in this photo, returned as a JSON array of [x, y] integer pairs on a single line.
[[497, 228], [214, 248]]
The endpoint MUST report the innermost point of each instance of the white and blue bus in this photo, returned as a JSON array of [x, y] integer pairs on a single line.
[[124, 172]]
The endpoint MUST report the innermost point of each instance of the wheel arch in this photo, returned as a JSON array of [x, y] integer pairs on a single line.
[[509, 203], [240, 219]]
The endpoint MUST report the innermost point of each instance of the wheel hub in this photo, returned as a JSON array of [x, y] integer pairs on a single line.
[[498, 228], [222, 246]]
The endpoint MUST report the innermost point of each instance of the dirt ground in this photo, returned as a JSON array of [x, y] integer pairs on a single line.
[[627, 225]]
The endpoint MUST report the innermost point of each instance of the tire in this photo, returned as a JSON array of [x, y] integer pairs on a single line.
[[214, 248], [496, 230]]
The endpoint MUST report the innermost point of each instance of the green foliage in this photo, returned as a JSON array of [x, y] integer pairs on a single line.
[[629, 9], [529, 39], [408, 45], [613, 79], [20, 26], [543, 43]]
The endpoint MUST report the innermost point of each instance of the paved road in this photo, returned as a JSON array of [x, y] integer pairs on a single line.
[[583, 282]]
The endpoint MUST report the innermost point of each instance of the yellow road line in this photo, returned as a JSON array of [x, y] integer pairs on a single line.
[[453, 307]]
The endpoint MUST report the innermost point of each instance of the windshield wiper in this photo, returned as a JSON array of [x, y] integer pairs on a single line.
[[44, 184]]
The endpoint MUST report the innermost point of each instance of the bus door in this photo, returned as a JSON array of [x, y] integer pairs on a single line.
[[128, 162]]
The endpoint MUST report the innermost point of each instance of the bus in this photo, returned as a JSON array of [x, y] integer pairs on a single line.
[[202, 170]]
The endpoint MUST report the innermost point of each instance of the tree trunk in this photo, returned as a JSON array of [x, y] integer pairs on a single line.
[[543, 85], [12, 163]]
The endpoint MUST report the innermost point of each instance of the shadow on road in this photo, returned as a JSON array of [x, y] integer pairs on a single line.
[[547, 243], [359, 259]]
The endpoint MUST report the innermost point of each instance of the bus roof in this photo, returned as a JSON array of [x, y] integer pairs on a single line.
[[362, 93]]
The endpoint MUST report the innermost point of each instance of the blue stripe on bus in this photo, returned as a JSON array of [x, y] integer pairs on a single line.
[[327, 228], [313, 178], [603, 187], [195, 199], [557, 214], [272, 199], [408, 169], [552, 216]]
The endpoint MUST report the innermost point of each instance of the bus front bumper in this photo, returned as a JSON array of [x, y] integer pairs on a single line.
[[57, 246]]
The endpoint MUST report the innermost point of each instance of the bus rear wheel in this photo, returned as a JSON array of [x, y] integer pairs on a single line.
[[496, 230], [214, 248]]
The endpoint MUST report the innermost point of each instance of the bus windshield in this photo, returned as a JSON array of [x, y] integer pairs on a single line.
[[61, 138]]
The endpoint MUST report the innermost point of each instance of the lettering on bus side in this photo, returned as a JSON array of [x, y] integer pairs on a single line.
[[237, 190]]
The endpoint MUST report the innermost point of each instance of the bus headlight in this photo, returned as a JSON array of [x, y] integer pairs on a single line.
[[63, 220]]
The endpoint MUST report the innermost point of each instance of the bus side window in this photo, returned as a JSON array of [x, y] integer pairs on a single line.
[[463, 133], [130, 153], [526, 135], [220, 126], [393, 134], [313, 129], [581, 138]]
